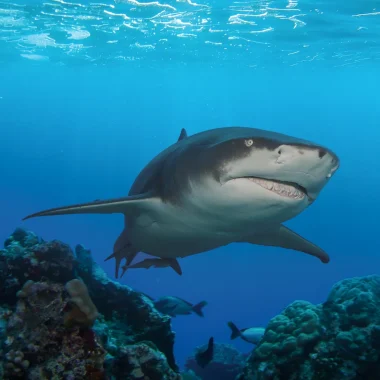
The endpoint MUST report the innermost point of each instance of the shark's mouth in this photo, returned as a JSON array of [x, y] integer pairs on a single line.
[[284, 189]]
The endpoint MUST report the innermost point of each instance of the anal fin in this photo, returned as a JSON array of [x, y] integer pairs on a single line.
[[286, 238]]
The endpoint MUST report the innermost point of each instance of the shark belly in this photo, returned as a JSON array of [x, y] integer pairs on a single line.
[[176, 234], [171, 241]]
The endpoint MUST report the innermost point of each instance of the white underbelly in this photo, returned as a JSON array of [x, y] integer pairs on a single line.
[[174, 240], [169, 231]]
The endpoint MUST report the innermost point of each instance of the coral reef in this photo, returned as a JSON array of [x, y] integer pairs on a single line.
[[83, 311], [61, 317], [226, 364], [189, 375], [141, 361], [339, 339], [39, 346]]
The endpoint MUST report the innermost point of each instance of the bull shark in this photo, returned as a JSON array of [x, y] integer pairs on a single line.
[[220, 186]]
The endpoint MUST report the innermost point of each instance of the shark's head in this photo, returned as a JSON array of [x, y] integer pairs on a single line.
[[287, 167], [262, 172]]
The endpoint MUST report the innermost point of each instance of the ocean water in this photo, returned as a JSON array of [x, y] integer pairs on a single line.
[[90, 92]]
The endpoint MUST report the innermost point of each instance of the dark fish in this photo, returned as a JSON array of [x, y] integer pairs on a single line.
[[203, 358], [174, 306]]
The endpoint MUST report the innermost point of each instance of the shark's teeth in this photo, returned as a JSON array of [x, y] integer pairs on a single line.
[[282, 189]]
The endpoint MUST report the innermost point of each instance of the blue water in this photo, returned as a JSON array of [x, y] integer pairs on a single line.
[[89, 93]]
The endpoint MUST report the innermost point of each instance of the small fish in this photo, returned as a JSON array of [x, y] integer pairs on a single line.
[[174, 306], [203, 358], [250, 335], [155, 263]]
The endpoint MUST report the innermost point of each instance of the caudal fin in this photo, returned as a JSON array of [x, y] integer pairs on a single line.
[[197, 309], [235, 332]]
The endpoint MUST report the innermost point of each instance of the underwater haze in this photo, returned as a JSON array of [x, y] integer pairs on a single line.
[[91, 92]]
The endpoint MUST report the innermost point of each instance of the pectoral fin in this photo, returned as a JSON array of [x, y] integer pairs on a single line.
[[126, 205], [286, 238]]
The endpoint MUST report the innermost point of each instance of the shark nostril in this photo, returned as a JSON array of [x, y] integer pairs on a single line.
[[321, 153]]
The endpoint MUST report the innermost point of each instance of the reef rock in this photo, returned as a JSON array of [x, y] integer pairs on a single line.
[[61, 317], [141, 361], [339, 339], [38, 344], [226, 364]]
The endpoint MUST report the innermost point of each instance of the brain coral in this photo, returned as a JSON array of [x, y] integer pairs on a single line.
[[339, 339]]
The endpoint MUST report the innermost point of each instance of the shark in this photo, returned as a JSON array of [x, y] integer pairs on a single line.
[[213, 188]]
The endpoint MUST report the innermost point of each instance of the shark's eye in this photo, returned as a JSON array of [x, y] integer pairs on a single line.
[[248, 142]]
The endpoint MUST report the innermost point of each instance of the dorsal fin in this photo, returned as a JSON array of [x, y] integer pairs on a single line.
[[182, 135]]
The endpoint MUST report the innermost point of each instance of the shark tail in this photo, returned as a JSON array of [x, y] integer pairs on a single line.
[[197, 309], [235, 332]]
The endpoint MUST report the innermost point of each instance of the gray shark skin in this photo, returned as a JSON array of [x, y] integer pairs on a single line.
[[217, 187], [156, 263]]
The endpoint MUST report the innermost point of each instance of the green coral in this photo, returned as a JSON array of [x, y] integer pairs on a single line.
[[291, 332], [339, 339]]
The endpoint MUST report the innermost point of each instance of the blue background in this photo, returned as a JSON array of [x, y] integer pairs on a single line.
[[74, 134]]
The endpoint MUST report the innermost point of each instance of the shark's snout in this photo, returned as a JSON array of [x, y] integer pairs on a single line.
[[334, 166], [320, 156], [320, 163], [329, 161], [287, 153]]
